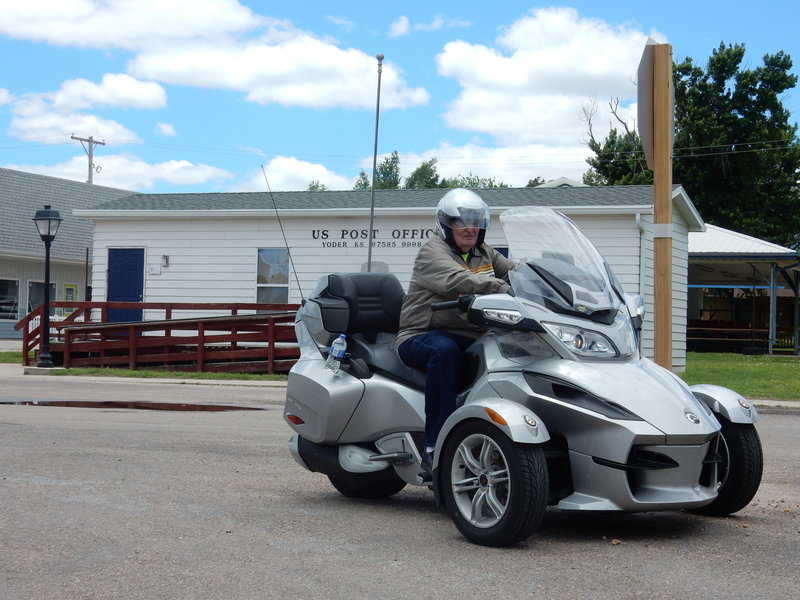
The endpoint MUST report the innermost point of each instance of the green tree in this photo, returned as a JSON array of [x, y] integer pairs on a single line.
[[471, 181], [424, 176], [735, 151], [316, 186], [362, 183], [387, 175], [618, 159], [536, 181]]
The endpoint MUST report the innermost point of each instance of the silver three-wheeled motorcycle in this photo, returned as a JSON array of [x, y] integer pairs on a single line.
[[559, 407]]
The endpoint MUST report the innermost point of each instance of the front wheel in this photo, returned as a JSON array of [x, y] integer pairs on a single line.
[[739, 470], [494, 489]]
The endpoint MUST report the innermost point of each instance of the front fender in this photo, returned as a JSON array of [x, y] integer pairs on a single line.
[[519, 423], [725, 402]]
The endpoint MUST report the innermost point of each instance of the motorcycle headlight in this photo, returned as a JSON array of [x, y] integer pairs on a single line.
[[509, 317], [583, 342]]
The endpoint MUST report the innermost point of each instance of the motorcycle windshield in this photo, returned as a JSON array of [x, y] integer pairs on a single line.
[[559, 267]]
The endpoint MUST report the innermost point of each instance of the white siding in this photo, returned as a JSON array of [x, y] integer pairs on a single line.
[[680, 274], [680, 290]]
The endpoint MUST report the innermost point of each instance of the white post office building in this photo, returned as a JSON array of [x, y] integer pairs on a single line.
[[261, 247]]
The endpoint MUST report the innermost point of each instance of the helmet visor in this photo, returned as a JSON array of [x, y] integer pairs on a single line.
[[469, 218]]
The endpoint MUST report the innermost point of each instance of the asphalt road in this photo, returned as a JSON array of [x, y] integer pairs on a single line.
[[122, 503]]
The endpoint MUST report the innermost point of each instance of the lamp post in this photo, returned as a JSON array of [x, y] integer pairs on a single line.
[[47, 222]]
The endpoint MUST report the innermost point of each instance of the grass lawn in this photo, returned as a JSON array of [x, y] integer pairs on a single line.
[[16, 357], [775, 377]]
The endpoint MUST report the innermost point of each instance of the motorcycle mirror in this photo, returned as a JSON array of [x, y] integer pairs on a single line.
[[636, 308]]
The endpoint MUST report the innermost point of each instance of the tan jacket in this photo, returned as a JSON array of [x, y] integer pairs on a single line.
[[441, 274]]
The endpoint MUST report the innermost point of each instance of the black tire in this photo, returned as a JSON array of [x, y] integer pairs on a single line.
[[380, 484], [739, 473], [494, 489]]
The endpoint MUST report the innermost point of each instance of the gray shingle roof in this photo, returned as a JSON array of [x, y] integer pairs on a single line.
[[22, 194], [633, 195]]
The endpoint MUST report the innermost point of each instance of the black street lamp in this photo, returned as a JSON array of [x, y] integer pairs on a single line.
[[47, 222]]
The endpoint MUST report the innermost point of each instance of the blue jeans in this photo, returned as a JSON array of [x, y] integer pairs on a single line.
[[439, 353]]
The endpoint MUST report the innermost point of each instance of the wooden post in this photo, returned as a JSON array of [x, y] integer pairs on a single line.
[[67, 348], [132, 339], [662, 202]]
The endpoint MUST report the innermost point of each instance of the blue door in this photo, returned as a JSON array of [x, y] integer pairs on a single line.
[[125, 282]]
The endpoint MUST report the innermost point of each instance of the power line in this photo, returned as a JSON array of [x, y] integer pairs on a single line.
[[475, 160]]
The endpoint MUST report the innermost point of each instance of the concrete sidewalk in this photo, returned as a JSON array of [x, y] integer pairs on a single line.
[[16, 370], [10, 345]]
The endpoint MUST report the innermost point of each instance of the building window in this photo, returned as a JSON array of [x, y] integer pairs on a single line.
[[36, 295], [272, 277], [9, 299]]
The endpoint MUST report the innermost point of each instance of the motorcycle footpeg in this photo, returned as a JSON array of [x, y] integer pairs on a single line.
[[393, 458]]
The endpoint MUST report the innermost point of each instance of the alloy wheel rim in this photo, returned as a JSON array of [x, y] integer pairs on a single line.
[[480, 481]]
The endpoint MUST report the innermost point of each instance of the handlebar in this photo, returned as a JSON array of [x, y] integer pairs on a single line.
[[461, 303]]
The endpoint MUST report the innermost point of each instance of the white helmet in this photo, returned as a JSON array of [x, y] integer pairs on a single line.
[[458, 209]]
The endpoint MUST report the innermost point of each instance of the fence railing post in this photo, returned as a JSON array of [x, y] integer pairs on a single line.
[[67, 347], [132, 348], [201, 347]]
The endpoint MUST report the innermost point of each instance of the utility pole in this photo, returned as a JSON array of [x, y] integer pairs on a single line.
[[90, 152]]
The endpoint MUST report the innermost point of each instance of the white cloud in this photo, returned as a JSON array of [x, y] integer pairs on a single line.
[[130, 173], [399, 27], [210, 44], [166, 129], [286, 173], [128, 24], [115, 89], [48, 113], [6, 97], [548, 65], [514, 165], [34, 119], [402, 26], [345, 24], [256, 151], [298, 71], [435, 25]]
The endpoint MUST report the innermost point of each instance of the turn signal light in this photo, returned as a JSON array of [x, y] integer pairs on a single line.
[[494, 416]]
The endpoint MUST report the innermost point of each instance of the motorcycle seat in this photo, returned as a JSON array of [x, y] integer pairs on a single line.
[[381, 356]]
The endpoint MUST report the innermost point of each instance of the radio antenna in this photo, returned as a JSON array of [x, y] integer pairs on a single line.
[[283, 233], [374, 164]]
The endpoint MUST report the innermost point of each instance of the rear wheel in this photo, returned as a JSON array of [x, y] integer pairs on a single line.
[[379, 484], [739, 470], [495, 490]]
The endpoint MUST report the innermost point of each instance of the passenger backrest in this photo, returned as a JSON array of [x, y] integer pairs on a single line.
[[374, 301]]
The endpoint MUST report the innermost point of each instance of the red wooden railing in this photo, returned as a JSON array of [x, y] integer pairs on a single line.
[[261, 341]]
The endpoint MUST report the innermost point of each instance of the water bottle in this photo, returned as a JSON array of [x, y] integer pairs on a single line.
[[336, 354]]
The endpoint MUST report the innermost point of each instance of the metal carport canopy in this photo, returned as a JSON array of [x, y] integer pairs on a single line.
[[723, 258]]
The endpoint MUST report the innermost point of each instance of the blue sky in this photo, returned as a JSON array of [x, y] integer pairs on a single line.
[[201, 95]]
